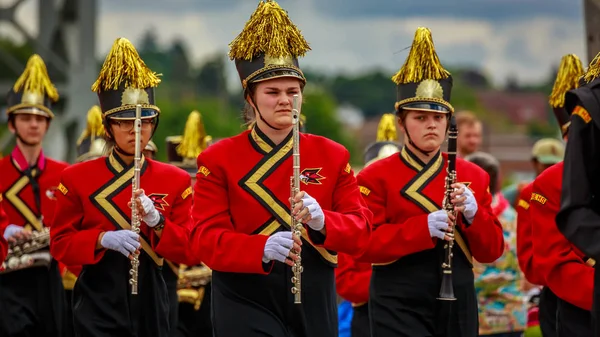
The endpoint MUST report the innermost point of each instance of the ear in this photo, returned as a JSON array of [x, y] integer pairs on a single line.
[[250, 101]]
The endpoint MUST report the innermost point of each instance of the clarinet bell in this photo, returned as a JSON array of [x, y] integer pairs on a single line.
[[447, 289]]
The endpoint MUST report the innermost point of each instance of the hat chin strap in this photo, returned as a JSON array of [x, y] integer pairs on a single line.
[[121, 151], [260, 115], [426, 153], [22, 140]]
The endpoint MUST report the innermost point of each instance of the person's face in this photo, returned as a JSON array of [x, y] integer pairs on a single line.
[[427, 129], [469, 138], [124, 133], [539, 167], [274, 98], [30, 128]]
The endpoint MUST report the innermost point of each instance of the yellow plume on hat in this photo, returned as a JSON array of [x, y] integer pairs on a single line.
[[422, 61], [386, 131], [94, 127], [35, 79], [567, 78], [593, 70], [269, 31], [194, 139], [123, 65]]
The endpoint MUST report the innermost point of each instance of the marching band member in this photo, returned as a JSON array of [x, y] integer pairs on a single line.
[[558, 261], [405, 194], [150, 150], [92, 222], [352, 278], [242, 197], [188, 286], [535, 234], [28, 186], [578, 217]]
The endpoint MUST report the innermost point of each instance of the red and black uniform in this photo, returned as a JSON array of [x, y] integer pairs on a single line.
[[31, 299], [241, 196], [561, 264], [525, 255], [579, 214], [401, 191], [92, 199], [352, 280]]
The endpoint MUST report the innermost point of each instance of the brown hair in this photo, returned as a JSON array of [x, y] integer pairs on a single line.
[[466, 118]]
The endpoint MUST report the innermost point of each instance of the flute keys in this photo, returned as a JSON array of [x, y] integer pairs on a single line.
[[295, 290]]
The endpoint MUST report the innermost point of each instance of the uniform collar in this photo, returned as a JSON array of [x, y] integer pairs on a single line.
[[262, 143], [117, 165], [21, 163], [410, 159]]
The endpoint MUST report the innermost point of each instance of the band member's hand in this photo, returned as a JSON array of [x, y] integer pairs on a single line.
[[307, 210], [123, 241], [439, 225], [464, 201], [282, 247], [146, 208], [15, 233]]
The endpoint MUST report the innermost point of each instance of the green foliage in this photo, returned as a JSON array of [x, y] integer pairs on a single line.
[[537, 130], [321, 119]]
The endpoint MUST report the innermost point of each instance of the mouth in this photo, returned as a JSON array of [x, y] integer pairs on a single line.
[[431, 135], [284, 111]]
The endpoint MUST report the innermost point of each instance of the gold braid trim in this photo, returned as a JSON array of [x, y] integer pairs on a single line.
[[123, 65], [269, 31], [35, 79], [567, 78], [424, 99], [422, 61]]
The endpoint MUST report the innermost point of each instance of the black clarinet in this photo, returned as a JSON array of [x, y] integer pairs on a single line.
[[447, 289]]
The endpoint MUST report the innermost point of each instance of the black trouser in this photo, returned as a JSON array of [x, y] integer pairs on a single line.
[[195, 323], [68, 330], [171, 283], [547, 312], [103, 305], [252, 305], [360, 321], [32, 302], [572, 321]]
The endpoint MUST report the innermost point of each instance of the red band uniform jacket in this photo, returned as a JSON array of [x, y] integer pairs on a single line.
[[241, 197], [3, 224], [524, 236], [401, 191], [92, 199], [29, 199], [564, 268]]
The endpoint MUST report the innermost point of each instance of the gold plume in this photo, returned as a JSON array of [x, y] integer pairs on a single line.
[[386, 131], [567, 78], [123, 65], [35, 79], [422, 61], [194, 139], [94, 127], [269, 31], [593, 70]]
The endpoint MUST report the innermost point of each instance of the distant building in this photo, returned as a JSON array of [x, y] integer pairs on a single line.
[[519, 107]]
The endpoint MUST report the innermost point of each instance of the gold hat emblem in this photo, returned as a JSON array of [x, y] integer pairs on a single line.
[[31, 97], [134, 96], [279, 61], [430, 89]]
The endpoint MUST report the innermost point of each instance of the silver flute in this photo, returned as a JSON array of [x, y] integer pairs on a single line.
[[296, 226], [135, 186]]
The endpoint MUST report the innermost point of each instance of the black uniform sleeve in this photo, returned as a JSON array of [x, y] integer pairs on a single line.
[[578, 219]]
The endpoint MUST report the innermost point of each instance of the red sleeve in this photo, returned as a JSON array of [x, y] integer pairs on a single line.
[[524, 237], [388, 241], [68, 243], [484, 234], [3, 225], [214, 239], [347, 224], [352, 279], [176, 232], [556, 260]]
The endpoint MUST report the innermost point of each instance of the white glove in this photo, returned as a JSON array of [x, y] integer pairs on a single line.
[[470, 203], [11, 230], [438, 224], [152, 216], [278, 246], [317, 218], [123, 241]]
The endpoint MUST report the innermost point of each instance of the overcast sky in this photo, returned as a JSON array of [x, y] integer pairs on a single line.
[[523, 38]]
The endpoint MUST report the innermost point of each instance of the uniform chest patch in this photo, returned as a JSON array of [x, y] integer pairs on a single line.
[[311, 176], [159, 200]]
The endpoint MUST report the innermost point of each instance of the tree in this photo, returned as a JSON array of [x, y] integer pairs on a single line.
[[211, 79]]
